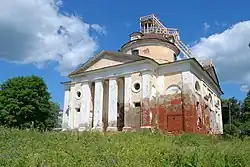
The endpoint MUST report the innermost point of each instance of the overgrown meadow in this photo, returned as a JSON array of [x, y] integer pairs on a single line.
[[72, 149]]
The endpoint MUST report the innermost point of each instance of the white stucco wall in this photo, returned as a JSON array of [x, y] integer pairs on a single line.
[[185, 69]]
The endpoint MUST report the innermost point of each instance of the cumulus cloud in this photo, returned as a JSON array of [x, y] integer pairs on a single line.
[[229, 51], [37, 32]]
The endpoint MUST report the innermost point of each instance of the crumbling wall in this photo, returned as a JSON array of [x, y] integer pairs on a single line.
[[174, 113], [185, 110]]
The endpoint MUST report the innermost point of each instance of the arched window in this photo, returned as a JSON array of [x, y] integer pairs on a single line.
[[218, 102], [210, 98], [197, 86], [173, 89], [153, 91]]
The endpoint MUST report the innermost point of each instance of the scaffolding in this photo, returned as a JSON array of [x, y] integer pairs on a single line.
[[151, 24]]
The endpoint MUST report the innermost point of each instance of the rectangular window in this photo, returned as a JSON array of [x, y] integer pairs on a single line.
[[137, 104]]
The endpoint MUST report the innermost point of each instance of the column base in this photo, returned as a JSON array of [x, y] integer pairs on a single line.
[[64, 130], [81, 129], [111, 129], [146, 128], [97, 129], [127, 129]]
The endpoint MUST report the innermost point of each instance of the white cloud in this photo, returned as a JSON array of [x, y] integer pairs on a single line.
[[99, 29], [244, 88], [206, 26], [229, 51], [37, 32]]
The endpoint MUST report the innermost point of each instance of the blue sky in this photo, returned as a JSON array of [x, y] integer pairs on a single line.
[[111, 22]]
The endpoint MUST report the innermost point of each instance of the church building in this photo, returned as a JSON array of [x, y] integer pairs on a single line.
[[153, 82]]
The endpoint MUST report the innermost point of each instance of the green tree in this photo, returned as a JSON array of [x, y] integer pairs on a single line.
[[234, 106], [25, 103], [245, 118], [246, 103]]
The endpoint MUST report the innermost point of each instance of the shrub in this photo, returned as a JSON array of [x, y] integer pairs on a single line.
[[231, 130]]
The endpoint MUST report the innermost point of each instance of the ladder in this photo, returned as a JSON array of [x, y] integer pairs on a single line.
[[183, 48], [158, 27]]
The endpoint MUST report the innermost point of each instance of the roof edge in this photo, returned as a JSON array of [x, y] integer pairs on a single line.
[[66, 82]]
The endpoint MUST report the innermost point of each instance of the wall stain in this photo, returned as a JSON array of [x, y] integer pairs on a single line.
[[175, 113]]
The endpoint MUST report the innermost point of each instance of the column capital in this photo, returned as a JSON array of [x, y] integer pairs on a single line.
[[150, 72], [85, 83], [113, 78], [99, 80], [67, 87], [127, 75]]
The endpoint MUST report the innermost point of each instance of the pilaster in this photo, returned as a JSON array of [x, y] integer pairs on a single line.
[[146, 96]]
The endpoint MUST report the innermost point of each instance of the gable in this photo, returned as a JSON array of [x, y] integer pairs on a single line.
[[105, 59], [210, 74], [213, 74], [105, 62]]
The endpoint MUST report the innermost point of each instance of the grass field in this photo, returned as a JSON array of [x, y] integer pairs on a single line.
[[52, 149]]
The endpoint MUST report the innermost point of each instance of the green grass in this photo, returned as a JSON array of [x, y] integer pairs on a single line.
[[64, 149]]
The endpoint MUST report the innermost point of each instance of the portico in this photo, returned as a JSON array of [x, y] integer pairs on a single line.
[[110, 105]]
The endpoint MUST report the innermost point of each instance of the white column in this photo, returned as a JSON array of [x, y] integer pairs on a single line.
[[146, 96], [127, 102], [66, 107], [220, 118], [160, 84], [112, 105], [98, 106], [85, 107], [146, 85], [187, 99], [72, 107], [187, 80]]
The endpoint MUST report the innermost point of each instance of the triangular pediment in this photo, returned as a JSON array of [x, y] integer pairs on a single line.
[[210, 69], [106, 59], [213, 74]]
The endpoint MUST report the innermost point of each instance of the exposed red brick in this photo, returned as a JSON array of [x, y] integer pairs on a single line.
[[176, 113]]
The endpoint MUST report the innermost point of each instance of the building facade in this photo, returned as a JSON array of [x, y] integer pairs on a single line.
[[144, 86]]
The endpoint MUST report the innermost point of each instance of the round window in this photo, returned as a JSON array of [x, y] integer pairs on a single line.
[[78, 94], [136, 87]]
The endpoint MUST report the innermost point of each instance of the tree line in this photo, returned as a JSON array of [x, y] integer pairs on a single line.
[[236, 114]]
